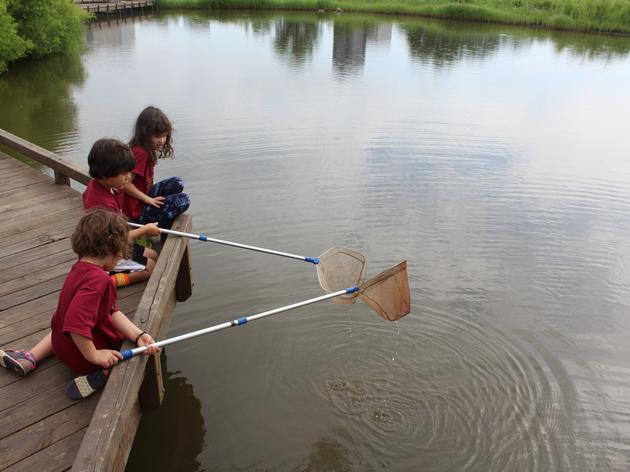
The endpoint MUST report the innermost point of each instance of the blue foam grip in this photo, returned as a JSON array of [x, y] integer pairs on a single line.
[[352, 289], [313, 260], [203, 237], [241, 321], [126, 354]]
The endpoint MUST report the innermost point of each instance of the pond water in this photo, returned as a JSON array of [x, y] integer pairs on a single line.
[[495, 160]]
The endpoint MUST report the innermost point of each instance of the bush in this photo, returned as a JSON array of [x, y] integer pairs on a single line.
[[12, 46], [51, 25], [38, 27]]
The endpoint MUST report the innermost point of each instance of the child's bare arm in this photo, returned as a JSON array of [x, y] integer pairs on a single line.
[[132, 332], [131, 189], [106, 358], [150, 229]]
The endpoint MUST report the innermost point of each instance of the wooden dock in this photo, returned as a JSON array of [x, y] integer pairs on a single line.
[[107, 7], [41, 429]]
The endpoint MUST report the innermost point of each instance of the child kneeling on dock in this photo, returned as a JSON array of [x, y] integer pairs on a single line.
[[88, 328]]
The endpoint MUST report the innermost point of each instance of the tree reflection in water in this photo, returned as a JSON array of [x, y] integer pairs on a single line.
[[37, 98]]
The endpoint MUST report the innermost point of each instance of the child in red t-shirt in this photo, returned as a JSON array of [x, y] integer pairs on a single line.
[[110, 163], [143, 200], [88, 328]]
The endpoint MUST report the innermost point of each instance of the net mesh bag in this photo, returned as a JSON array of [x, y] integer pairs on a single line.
[[340, 268], [388, 292]]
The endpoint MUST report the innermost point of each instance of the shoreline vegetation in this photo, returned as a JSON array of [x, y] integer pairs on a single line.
[[587, 16], [37, 28]]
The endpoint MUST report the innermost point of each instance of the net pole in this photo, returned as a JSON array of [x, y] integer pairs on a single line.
[[203, 237], [129, 353]]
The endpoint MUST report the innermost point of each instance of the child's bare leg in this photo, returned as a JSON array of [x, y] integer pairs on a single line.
[[136, 277], [43, 348], [150, 254]]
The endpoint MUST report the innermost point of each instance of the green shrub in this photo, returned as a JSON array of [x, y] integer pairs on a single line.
[[38, 27], [12, 46], [51, 25]]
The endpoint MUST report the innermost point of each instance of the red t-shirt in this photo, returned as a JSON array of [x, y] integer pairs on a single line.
[[142, 179], [86, 303], [96, 195]]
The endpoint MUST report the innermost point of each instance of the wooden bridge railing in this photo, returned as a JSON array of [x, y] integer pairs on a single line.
[[63, 170], [134, 386]]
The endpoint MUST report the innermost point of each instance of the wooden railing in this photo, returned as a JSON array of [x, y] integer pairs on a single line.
[[63, 170], [109, 6]]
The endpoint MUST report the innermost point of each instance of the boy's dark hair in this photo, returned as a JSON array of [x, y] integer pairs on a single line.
[[152, 121], [100, 233], [109, 158]]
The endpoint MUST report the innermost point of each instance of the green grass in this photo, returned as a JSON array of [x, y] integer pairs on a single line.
[[601, 16]]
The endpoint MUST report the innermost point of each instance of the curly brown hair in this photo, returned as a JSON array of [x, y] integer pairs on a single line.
[[152, 121], [101, 233]]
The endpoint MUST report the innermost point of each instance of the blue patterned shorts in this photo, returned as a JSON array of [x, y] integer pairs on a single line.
[[175, 203]]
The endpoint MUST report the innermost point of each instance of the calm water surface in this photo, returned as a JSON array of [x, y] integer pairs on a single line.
[[495, 160]]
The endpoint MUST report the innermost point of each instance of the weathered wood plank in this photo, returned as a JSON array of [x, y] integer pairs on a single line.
[[37, 211], [44, 156], [18, 182], [25, 401], [50, 398], [52, 227], [30, 202], [31, 308], [30, 293], [31, 198], [32, 187], [7, 162], [33, 272], [56, 458], [47, 250], [56, 229], [17, 172], [47, 432]]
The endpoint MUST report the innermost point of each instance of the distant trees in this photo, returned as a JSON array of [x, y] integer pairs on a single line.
[[38, 28]]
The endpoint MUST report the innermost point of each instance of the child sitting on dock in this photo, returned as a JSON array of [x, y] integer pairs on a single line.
[[87, 328], [144, 201], [110, 163]]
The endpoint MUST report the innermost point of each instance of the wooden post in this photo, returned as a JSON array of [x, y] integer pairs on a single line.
[[152, 389], [61, 179], [183, 284]]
